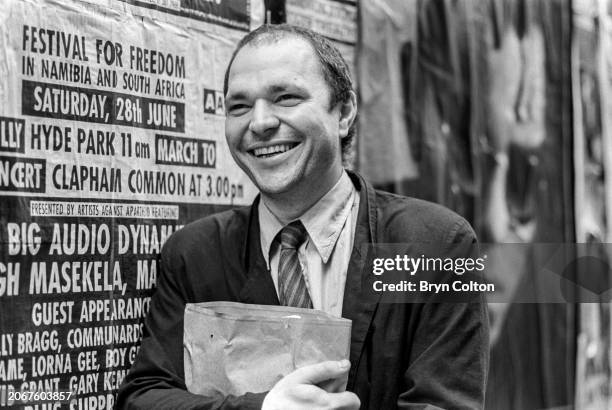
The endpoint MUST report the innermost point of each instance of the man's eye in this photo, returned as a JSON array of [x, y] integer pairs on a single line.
[[237, 109], [288, 99]]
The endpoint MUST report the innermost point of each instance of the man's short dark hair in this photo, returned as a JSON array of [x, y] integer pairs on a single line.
[[335, 70]]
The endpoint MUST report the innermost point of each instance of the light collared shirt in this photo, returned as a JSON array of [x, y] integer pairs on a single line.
[[325, 255]]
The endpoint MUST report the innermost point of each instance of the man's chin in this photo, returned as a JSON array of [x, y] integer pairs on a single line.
[[273, 188], [272, 191]]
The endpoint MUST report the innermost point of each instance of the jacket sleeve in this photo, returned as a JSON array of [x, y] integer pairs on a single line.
[[156, 379], [449, 356]]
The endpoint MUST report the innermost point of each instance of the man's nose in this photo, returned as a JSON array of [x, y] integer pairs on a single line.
[[263, 121]]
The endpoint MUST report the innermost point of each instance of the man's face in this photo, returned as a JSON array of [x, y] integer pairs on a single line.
[[280, 127]]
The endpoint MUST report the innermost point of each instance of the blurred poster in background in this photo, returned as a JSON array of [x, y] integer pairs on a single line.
[[468, 104], [111, 139], [591, 81]]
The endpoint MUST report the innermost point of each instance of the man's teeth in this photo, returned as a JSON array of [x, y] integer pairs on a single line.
[[274, 149]]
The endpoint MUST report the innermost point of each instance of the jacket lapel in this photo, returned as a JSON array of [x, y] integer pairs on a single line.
[[258, 287], [355, 306]]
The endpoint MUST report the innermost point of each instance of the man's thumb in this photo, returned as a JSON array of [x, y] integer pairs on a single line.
[[319, 372]]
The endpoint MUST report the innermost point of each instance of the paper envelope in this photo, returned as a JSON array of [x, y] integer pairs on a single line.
[[233, 348]]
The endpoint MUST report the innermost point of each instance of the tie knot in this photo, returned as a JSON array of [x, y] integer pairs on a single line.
[[293, 235]]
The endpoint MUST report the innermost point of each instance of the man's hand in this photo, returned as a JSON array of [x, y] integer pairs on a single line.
[[299, 390]]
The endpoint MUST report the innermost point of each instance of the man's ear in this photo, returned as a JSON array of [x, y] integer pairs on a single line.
[[348, 112]]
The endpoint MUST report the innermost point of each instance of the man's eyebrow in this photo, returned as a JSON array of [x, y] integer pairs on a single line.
[[235, 96], [272, 89], [279, 88]]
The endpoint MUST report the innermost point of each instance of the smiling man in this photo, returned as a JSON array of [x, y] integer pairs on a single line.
[[290, 116]]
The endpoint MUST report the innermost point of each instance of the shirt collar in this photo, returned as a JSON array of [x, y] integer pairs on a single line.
[[323, 221], [269, 227]]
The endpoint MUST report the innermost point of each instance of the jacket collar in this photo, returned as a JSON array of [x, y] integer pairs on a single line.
[[259, 287], [356, 307]]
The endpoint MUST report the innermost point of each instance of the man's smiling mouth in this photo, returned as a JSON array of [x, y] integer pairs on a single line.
[[272, 150]]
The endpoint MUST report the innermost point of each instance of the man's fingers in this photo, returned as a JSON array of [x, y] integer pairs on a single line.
[[316, 373], [344, 401], [299, 389]]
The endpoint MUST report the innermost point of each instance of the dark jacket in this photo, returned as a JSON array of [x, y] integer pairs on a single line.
[[403, 355]]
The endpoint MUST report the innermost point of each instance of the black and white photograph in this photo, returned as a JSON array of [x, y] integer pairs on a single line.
[[306, 204]]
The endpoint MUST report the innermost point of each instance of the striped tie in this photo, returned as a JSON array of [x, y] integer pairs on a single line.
[[291, 284]]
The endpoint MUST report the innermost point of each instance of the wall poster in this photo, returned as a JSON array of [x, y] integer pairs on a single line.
[[111, 139]]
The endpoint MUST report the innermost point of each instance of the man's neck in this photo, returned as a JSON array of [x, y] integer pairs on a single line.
[[289, 206]]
